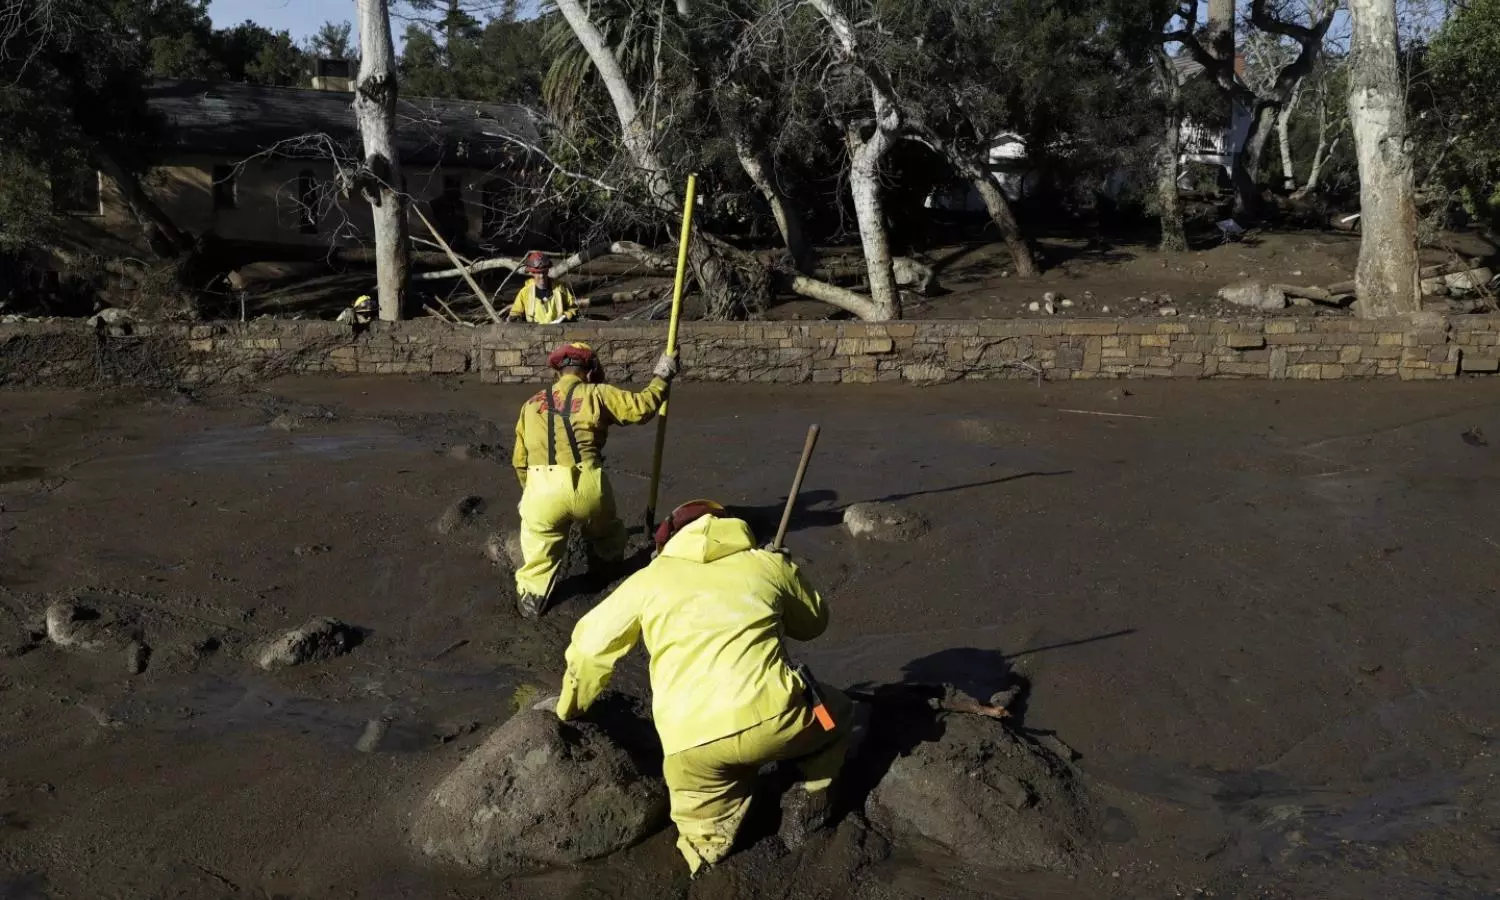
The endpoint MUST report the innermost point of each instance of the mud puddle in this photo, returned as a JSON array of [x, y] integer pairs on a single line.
[[238, 445]]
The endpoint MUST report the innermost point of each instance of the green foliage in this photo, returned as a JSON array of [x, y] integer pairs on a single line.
[[459, 59], [1458, 115]]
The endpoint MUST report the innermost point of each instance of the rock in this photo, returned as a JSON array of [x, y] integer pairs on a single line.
[[884, 522], [539, 792], [1034, 306], [322, 638], [1167, 311], [1254, 295], [1050, 307], [1067, 304], [1049, 297], [77, 628], [374, 733], [312, 550], [115, 321], [1434, 287], [137, 655], [287, 422], [989, 796], [461, 514], [505, 549], [1105, 310]]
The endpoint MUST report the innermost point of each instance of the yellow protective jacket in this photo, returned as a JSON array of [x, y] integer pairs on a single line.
[[712, 610], [587, 410], [559, 304]]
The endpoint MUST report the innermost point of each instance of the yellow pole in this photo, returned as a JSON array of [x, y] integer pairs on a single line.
[[661, 417]]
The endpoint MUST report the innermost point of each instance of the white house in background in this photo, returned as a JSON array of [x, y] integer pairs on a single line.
[[1008, 163], [1207, 145]]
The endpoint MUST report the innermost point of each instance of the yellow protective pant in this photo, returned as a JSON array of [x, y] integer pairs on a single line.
[[711, 784], [554, 498]]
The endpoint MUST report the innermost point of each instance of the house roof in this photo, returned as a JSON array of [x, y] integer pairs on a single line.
[[1188, 67], [245, 119]]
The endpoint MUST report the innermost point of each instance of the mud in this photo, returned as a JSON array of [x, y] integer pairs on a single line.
[[1263, 618]]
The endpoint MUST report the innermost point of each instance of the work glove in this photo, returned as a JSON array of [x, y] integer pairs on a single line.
[[667, 367]]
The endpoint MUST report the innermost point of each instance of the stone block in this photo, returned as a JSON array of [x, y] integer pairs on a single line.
[[1173, 328], [1350, 354], [1331, 371], [1391, 339], [1285, 339], [924, 373], [1091, 328], [1188, 370], [858, 376], [1383, 351], [449, 362], [1485, 364], [1262, 370], [858, 346], [504, 359], [826, 376], [1278, 363], [1155, 340], [205, 345], [1281, 326], [1305, 372], [1245, 341]]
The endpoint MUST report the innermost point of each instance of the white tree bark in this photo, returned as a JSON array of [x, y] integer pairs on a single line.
[[866, 153], [1386, 280], [713, 277], [788, 219], [1284, 139], [375, 95]]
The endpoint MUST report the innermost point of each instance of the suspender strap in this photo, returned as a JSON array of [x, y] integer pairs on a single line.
[[567, 417]]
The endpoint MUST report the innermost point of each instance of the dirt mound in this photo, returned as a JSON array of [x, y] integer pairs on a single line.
[[319, 639], [987, 794], [540, 792]]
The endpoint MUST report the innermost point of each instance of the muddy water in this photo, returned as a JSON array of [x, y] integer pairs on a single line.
[[1262, 616]]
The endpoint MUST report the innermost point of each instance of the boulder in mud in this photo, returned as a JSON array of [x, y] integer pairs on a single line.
[[460, 514], [322, 638], [884, 522], [538, 793], [504, 549], [989, 796], [1254, 295], [76, 627]]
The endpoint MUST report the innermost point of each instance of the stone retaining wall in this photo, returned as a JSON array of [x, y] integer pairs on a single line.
[[1428, 346]]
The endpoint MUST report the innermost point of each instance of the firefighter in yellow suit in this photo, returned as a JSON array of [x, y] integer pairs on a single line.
[[560, 437], [712, 609], [542, 301]]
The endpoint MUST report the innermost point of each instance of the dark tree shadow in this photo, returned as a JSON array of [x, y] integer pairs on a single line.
[[894, 498], [813, 509]]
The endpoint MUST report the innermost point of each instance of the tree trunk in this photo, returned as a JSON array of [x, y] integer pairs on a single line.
[[708, 267], [375, 109], [865, 156], [1219, 29], [1386, 280], [995, 203], [869, 209], [1169, 156], [1284, 141], [788, 219], [1246, 167]]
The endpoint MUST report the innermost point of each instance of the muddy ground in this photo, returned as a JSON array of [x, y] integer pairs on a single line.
[[1265, 615], [1104, 275]]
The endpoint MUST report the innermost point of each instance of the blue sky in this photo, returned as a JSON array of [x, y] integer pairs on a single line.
[[300, 17]]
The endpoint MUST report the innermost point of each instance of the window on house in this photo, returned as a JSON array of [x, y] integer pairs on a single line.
[[77, 192], [307, 202], [226, 187]]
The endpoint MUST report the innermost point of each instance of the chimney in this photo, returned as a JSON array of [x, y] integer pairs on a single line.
[[333, 75]]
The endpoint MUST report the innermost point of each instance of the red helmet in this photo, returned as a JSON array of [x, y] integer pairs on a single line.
[[576, 353], [537, 263], [682, 517]]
